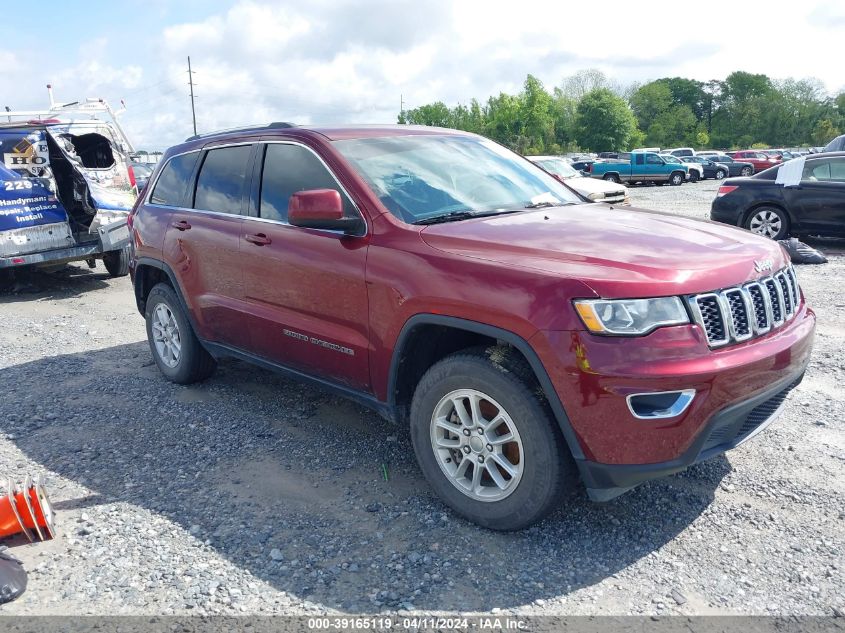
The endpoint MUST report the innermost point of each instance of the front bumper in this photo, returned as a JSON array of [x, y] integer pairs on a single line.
[[593, 376], [727, 429]]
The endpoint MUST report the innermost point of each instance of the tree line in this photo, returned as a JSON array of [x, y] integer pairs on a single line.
[[590, 112]]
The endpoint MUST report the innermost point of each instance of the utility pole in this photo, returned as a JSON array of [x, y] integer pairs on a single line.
[[401, 108], [191, 84]]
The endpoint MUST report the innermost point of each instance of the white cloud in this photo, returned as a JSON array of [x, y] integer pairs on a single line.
[[314, 61]]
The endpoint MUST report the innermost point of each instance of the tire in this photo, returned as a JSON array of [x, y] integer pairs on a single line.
[[768, 221], [500, 381], [117, 262], [612, 178], [693, 176], [720, 174], [676, 178], [746, 171], [191, 362]]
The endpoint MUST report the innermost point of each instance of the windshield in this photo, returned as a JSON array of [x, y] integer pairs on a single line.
[[426, 176], [558, 166]]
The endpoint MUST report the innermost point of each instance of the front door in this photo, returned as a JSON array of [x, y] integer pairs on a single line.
[[305, 287], [819, 201]]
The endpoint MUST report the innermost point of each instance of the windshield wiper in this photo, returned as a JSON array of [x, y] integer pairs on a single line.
[[447, 217], [547, 203]]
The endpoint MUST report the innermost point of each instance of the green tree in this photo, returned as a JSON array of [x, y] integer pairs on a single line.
[[650, 101], [436, 114], [604, 122]]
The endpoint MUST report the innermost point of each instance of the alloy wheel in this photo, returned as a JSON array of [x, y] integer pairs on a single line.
[[166, 337], [477, 445], [765, 222]]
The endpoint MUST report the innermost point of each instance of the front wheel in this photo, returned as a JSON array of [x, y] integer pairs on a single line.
[[117, 262], [746, 171], [720, 174], [770, 222], [693, 176], [486, 441], [676, 178]]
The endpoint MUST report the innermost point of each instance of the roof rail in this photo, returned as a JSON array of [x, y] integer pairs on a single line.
[[248, 128]]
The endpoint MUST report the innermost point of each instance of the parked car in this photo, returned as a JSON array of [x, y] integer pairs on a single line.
[[735, 167], [815, 205], [594, 190], [836, 145], [141, 173], [695, 172], [524, 336], [680, 151], [708, 167], [642, 167], [65, 188], [758, 159], [707, 153], [583, 166]]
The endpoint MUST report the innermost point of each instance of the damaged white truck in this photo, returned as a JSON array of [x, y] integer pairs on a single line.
[[66, 187]]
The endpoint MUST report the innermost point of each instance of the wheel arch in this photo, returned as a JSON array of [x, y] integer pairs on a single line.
[[148, 273], [402, 380]]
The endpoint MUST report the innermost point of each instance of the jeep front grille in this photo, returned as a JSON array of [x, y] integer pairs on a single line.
[[737, 314]]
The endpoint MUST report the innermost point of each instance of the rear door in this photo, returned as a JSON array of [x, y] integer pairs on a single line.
[[306, 288], [202, 241], [819, 202]]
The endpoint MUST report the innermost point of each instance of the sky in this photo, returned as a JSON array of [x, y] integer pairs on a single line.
[[351, 61]]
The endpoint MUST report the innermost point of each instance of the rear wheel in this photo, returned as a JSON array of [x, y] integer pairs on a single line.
[[486, 442], [770, 222], [612, 178], [176, 350], [117, 262], [676, 178], [746, 171]]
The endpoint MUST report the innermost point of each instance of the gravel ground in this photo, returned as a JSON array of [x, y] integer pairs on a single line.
[[252, 494]]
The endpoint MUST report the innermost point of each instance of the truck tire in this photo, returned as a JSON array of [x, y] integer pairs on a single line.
[[117, 262], [676, 178], [486, 441], [612, 178], [175, 347]]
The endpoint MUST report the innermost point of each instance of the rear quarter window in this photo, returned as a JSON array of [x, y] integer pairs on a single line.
[[171, 186]]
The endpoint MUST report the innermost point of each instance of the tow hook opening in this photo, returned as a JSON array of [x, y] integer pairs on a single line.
[[660, 404]]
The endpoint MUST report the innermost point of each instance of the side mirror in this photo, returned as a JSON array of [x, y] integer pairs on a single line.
[[321, 209]]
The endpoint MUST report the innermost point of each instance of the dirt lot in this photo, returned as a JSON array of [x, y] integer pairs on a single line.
[[252, 494]]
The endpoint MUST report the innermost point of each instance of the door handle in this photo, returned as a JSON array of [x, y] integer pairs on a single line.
[[181, 225], [259, 239]]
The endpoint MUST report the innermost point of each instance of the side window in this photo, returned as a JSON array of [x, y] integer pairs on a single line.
[[288, 169], [651, 159], [171, 186], [638, 160], [220, 184], [816, 170], [837, 169]]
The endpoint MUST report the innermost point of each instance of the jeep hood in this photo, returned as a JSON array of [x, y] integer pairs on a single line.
[[618, 253]]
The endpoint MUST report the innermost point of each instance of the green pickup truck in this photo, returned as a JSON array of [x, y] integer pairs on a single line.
[[642, 167]]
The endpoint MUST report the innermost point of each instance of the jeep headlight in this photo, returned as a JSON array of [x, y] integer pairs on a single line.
[[596, 195], [630, 317]]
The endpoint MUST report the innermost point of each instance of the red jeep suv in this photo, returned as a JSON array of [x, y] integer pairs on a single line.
[[527, 337]]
